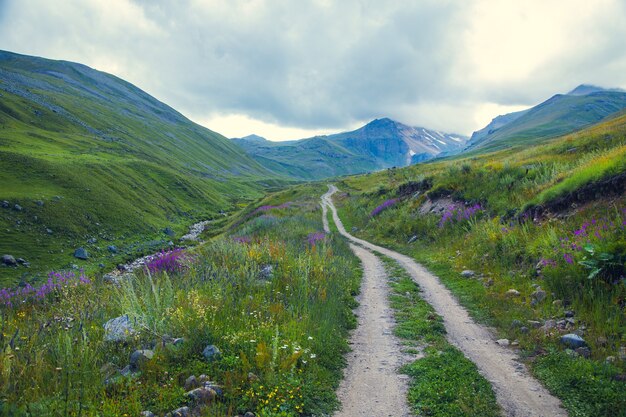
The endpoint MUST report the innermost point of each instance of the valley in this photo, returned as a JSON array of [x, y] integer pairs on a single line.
[[154, 267]]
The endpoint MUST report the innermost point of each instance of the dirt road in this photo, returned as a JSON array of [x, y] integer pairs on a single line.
[[517, 392]]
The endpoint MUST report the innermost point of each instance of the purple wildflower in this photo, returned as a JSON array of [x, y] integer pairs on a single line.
[[56, 281], [242, 239], [385, 205], [315, 237], [170, 261], [568, 258], [458, 213]]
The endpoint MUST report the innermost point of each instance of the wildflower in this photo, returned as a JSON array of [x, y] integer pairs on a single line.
[[568, 258], [385, 205], [315, 237]]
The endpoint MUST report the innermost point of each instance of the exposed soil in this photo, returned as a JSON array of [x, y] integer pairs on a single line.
[[517, 392]]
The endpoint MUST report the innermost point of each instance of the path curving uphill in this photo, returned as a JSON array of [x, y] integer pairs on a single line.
[[517, 392]]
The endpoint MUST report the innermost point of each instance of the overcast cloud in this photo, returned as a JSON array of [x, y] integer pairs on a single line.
[[288, 69]]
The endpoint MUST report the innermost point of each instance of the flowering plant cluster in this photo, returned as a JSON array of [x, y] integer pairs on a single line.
[[384, 206], [242, 239], [264, 209], [458, 212], [315, 237], [171, 261], [56, 281]]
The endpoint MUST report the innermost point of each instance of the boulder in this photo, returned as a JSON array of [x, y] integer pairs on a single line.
[[573, 341], [9, 260], [168, 231], [266, 272], [6, 204], [112, 248], [119, 329], [81, 253], [468, 273], [139, 359], [513, 293], [211, 353]]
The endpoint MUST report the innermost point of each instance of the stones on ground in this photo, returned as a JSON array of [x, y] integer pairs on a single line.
[[266, 272], [569, 314], [503, 342], [549, 324], [513, 293], [211, 353], [584, 351], [147, 414], [112, 248], [9, 260], [573, 341], [201, 396], [534, 323], [139, 359], [537, 296], [412, 239], [17, 207], [92, 240], [39, 203], [524, 330], [468, 273], [168, 231], [610, 359], [5, 204], [249, 414], [49, 231], [119, 329], [354, 229], [21, 261], [180, 412], [191, 383], [602, 341], [516, 324], [81, 253]]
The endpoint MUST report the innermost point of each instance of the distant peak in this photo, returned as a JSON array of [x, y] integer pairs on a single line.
[[385, 121], [584, 89], [253, 138]]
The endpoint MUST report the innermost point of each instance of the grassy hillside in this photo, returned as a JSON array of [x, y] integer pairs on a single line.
[[273, 298], [544, 232], [559, 115], [89, 156]]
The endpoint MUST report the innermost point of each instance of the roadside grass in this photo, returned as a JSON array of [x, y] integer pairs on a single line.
[[443, 382], [276, 303], [568, 263]]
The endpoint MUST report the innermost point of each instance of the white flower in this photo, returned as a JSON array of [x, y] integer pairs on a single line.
[[313, 356]]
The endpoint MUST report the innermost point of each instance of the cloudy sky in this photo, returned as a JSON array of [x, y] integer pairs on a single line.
[[291, 69]]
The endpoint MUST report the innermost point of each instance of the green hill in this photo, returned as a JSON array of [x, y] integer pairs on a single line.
[[559, 115], [91, 158]]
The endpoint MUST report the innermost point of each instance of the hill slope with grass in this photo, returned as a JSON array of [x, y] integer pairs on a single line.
[[382, 143], [559, 115], [532, 242], [89, 160]]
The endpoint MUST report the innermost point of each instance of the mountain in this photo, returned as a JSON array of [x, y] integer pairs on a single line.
[[559, 115], [382, 143], [103, 160]]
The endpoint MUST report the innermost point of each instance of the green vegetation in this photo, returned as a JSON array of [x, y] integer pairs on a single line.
[[444, 382], [544, 231], [275, 302], [89, 156]]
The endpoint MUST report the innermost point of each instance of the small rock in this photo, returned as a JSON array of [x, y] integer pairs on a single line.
[[513, 292], [203, 378], [191, 383], [515, 343], [201, 396], [112, 248], [21, 261], [489, 283], [515, 324], [92, 240], [181, 412], [211, 353], [549, 324], [6, 204], [468, 273], [534, 323], [354, 229], [610, 359], [602, 341], [266, 272], [125, 371], [573, 341], [49, 231], [524, 330], [538, 296], [139, 358], [101, 265], [9, 260], [111, 279], [147, 414], [412, 239], [81, 253], [249, 414], [570, 320], [168, 231], [178, 341], [503, 342], [39, 203], [584, 351], [557, 303], [569, 313], [17, 207], [119, 329], [252, 377]]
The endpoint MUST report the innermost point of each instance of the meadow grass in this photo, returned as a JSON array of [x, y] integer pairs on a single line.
[[276, 304]]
